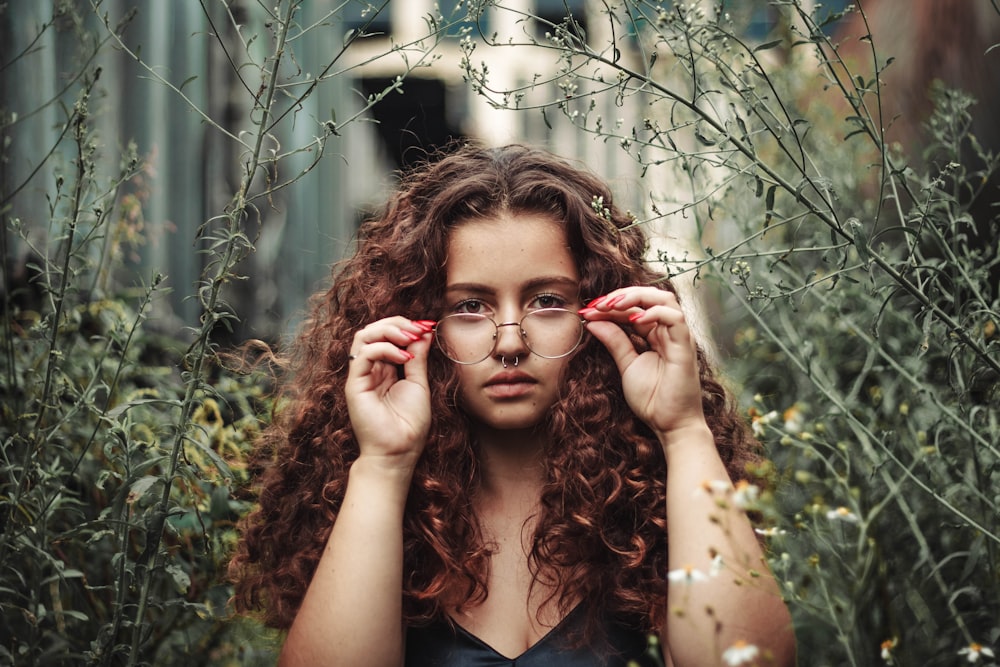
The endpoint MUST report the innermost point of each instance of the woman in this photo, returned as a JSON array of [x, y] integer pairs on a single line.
[[494, 419]]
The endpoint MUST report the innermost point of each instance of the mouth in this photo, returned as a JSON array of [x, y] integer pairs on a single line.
[[510, 384]]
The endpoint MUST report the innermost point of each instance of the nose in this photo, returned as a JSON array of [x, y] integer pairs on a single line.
[[510, 342]]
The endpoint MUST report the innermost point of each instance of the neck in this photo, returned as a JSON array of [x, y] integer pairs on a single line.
[[512, 464]]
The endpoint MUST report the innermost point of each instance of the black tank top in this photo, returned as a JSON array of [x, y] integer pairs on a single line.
[[443, 644]]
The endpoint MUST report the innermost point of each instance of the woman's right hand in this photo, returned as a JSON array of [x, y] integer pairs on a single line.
[[390, 416]]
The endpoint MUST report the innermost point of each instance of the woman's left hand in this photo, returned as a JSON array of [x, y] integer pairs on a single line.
[[662, 384]]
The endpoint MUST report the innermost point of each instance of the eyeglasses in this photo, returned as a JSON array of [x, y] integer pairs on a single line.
[[468, 338]]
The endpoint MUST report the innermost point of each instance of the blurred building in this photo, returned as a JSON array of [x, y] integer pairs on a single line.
[[186, 111]]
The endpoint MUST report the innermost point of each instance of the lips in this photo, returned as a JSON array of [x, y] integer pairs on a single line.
[[510, 384]]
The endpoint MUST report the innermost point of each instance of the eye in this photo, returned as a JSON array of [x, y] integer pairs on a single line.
[[470, 306], [548, 301]]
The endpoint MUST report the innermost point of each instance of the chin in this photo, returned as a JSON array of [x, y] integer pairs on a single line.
[[510, 422]]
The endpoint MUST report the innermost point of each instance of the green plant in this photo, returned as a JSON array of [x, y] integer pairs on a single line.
[[112, 438], [124, 444], [863, 295]]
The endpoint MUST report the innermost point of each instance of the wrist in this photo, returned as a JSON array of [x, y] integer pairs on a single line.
[[391, 473], [691, 435]]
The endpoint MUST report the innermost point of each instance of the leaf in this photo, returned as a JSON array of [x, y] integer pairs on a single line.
[[769, 205], [140, 487], [219, 462], [743, 128], [74, 614], [767, 45], [118, 410], [219, 505], [187, 81], [100, 535], [702, 138], [860, 238], [182, 580], [68, 573]]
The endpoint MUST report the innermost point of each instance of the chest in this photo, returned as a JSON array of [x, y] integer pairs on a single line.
[[517, 613]]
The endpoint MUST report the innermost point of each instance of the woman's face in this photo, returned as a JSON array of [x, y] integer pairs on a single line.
[[507, 267]]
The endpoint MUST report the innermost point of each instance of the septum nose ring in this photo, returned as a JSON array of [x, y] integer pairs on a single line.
[[503, 359]]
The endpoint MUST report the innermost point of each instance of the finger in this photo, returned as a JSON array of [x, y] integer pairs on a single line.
[[617, 342], [627, 305], [626, 298], [652, 313], [398, 330], [415, 369], [667, 322], [365, 359]]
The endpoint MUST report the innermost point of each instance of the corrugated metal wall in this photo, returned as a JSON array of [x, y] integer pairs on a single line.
[[193, 167]]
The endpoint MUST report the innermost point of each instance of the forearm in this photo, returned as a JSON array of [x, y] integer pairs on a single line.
[[352, 611], [737, 601]]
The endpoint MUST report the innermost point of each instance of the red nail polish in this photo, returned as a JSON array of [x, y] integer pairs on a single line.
[[596, 301], [412, 336], [614, 301], [409, 355], [426, 325], [586, 311], [635, 316]]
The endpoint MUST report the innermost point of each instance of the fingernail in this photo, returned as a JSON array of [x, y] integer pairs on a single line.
[[636, 316], [596, 301], [425, 324], [586, 311], [613, 301], [409, 355], [412, 336]]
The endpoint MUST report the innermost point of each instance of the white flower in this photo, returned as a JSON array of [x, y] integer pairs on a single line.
[[716, 567], [745, 495], [770, 532], [714, 487], [973, 651], [758, 423], [739, 653], [842, 514], [686, 575], [794, 420], [887, 647]]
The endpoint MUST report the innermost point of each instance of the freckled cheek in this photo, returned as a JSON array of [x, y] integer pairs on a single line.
[[470, 389]]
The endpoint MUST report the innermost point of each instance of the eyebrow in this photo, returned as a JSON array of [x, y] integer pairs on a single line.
[[534, 283]]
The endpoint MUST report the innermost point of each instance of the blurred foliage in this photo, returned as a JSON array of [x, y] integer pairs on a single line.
[[882, 425], [857, 283], [94, 449], [125, 442], [861, 293]]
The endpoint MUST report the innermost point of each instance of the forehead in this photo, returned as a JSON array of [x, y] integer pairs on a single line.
[[510, 247]]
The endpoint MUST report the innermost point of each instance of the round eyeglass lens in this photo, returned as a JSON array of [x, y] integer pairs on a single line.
[[468, 338]]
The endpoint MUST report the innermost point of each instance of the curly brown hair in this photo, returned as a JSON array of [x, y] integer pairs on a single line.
[[601, 532]]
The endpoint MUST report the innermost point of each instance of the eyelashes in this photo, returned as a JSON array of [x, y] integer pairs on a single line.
[[477, 306]]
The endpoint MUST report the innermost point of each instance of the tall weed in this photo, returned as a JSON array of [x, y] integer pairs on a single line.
[[125, 444], [857, 299]]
